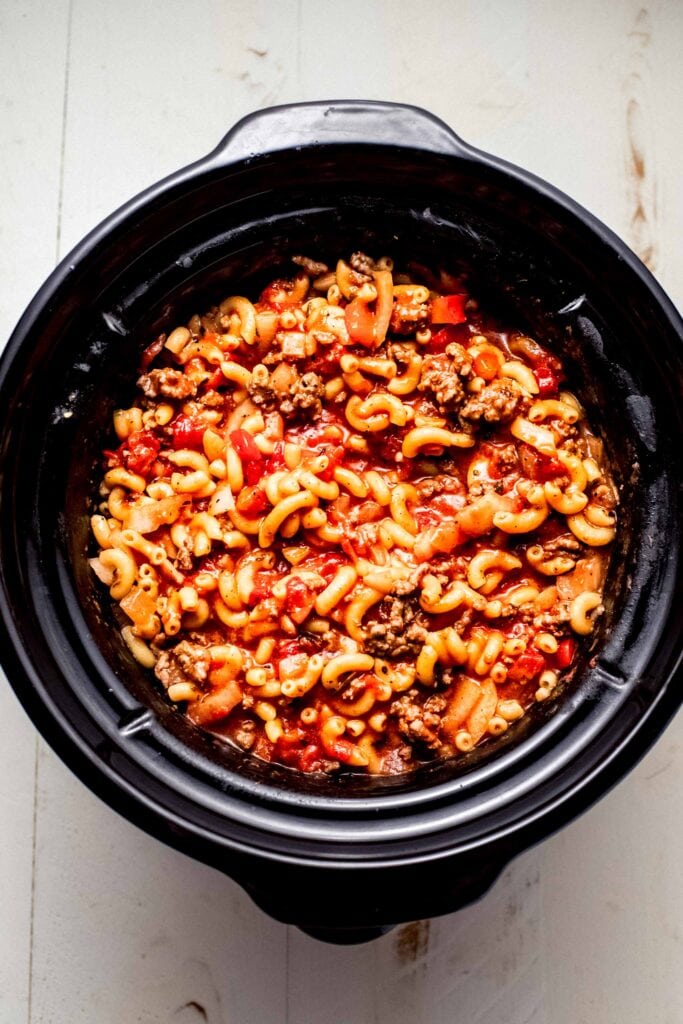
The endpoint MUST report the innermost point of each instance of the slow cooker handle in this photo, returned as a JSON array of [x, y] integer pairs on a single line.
[[337, 122]]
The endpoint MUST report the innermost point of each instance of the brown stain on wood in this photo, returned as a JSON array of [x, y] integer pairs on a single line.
[[193, 1005], [641, 182], [412, 942]]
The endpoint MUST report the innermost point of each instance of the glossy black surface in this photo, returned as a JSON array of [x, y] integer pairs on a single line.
[[325, 179]]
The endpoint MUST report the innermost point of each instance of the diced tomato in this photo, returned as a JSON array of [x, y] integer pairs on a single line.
[[212, 382], [449, 309], [253, 501], [250, 455], [310, 758], [546, 379], [539, 467], [263, 585], [187, 432], [290, 648], [113, 456], [390, 445], [278, 294], [526, 667], [140, 451], [326, 564], [299, 594], [360, 323], [326, 362], [443, 337], [215, 706], [486, 365], [565, 653], [335, 455], [276, 460], [426, 517]]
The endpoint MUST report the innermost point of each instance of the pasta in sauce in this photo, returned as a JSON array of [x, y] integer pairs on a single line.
[[354, 524]]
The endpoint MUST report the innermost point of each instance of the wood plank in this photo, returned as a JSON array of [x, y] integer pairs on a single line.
[[613, 903], [125, 929], [31, 101]]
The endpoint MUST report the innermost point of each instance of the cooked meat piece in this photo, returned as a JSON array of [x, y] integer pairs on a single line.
[[564, 431], [440, 484], [245, 734], [167, 382], [212, 399], [408, 317], [262, 395], [564, 544], [270, 390], [184, 663], [152, 351], [362, 264], [605, 496], [313, 267], [420, 721], [353, 690], [459, 357], [506, 458], [499, 402], [398, 632], [306, 393], [439, 377], [184, 559], [404, 587]]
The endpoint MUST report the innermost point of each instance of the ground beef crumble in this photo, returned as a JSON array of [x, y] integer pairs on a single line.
[[408, 317], [439, 377], [312, 267], [439, 484], [184, 663], [398, 632], [305, 395], [420, 721], [499, 402], [362, 264], [167, 382]]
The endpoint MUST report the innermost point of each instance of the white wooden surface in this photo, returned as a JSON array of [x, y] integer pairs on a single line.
[[98, 922]]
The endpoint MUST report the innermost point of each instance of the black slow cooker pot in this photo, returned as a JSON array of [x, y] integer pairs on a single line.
[[342, 858]]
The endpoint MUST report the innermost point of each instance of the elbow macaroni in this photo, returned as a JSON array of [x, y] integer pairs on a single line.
[[320, 551]]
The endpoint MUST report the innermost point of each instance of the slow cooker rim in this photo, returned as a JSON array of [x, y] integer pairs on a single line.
[[178, 829]]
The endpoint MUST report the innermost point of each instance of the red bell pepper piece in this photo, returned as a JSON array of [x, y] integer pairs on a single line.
[[546, 379], [326, 564], [565, 653], [527, 666], [140, 451], [539, 467], [277, 459], [310, 758], [335, 454], [443, 337], [360, 323], [212, 382], [449, 309], [253, 501], [187, 432], [250, 455]]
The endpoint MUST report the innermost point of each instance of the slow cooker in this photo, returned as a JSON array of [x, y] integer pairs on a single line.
[[342, 857]]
